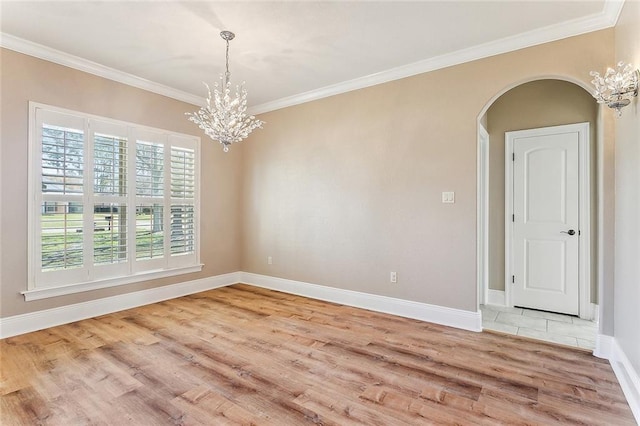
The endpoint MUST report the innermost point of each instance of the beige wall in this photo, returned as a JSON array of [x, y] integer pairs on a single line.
[[627, 233], [25, 79], [343, 190], [339, 191], [541, 103]]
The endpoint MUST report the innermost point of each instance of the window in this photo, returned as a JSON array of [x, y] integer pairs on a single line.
[[112, 202]]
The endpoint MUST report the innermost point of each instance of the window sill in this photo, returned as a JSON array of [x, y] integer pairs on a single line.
[[44, 293]]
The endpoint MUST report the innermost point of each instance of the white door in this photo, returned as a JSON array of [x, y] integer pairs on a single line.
[[545, 236]]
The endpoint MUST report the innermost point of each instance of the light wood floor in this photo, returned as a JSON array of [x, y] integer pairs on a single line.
[[244, 355]]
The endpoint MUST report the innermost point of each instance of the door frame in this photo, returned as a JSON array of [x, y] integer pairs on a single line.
[[482, 249], [584, 214]]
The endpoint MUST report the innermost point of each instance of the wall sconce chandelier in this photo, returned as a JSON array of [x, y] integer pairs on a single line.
[[224, 118], [617, 87]]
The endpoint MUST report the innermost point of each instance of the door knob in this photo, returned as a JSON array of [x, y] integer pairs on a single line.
[[570, 232]]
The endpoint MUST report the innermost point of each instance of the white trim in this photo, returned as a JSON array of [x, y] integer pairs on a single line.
[[508, 209], [44, 293], [595, 312], [465, 320], [604, 345], [496, 297], [2, 203], [611, 11], [607, 347], [584, 271], [482, 203], [605, 19], [600, 249], [87, 278], [27, 47], [627, 377], [584, 219], [33, 321]]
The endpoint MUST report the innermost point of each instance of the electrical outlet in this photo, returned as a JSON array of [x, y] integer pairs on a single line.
[[269, 260], [393, 277]]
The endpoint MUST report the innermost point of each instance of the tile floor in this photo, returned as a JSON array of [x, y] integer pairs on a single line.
[[557, 328]]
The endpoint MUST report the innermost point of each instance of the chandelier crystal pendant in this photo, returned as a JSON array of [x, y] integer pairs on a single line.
[[224, 118], [617, 87]]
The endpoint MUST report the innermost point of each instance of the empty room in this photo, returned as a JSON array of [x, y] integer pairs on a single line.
[[320, 212]]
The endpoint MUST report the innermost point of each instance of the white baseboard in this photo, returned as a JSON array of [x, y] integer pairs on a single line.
[[595, 313], [607, 347], [496, 297], [33, 321], [604, 346], [628, 378], [405, 308]]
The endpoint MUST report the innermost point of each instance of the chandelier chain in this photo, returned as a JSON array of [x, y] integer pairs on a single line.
[[227, 74]]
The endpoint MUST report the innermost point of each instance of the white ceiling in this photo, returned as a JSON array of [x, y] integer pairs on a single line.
[[287, 52]]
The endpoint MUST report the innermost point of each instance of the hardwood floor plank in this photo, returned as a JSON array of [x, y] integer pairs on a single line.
[[242, 355], [343, 410], [417, 411], [204, 406], [587, 411], [458, 379], [145, 407], [24, 407]]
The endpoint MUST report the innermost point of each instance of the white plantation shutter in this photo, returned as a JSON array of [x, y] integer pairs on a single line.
[[58, 254], [183, 209], [149, 169], [109, 201], [183, 183], [63, 150], [110, 159], [150, 202], [110, 190]]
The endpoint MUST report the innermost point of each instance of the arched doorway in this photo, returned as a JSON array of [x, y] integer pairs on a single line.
[[535, 104]]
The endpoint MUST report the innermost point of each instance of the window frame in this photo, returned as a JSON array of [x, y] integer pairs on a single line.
[[91, 275]]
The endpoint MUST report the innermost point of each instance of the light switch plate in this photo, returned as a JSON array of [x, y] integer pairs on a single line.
[[449, 197]]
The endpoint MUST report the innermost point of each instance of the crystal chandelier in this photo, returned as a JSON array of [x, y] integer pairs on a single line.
[[224, 118], [617, 87]]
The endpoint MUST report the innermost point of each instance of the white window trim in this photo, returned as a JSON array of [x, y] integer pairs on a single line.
[[44, 293], [175, 265]]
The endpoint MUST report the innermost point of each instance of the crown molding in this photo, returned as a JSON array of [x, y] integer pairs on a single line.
[[611, 11], [40, 51], [605, 19]]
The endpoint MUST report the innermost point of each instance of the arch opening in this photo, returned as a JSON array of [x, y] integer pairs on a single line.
[[537, 103]]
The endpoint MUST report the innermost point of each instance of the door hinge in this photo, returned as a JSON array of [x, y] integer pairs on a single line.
[[513, 157], [513, 218], [578, 232], [513, 279]]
